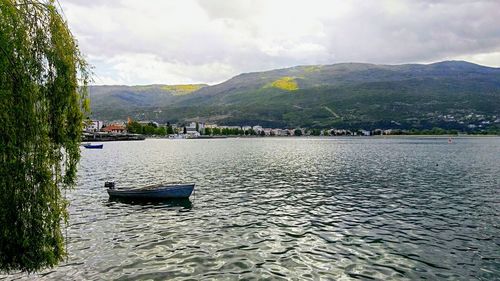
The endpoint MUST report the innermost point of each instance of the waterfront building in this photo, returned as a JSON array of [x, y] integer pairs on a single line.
[[257, 128], [192, 133], [365, 132], [115, 128], [93, 126]]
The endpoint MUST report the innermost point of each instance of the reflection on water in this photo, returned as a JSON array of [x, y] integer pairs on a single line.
[[165, 203], [297, 208]]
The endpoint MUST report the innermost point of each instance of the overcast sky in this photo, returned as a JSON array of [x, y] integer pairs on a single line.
[[208, 41]]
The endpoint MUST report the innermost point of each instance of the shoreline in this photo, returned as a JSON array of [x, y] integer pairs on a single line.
[[304, 137]]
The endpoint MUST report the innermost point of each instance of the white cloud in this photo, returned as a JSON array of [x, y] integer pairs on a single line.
[[133, 68], [487, 59], [178, 41]]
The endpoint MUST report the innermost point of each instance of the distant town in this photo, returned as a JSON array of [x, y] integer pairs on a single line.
[[130, 128]]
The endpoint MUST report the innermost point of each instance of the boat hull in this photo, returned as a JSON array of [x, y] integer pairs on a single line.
[[170, 191], [93, 146]]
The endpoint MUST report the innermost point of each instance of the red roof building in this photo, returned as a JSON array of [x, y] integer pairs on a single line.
[[115, 128]]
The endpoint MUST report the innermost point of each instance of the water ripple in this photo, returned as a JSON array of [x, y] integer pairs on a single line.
[[289, 209]]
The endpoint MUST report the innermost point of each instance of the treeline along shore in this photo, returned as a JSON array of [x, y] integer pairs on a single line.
[[134, 130]]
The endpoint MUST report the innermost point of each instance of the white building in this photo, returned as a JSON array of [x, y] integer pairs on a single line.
[[192, 125], [192, 133], [279, 132], [365, 132], [93, 126], [211, 126], [257, 128]]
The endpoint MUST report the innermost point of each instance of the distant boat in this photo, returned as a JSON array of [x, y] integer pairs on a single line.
[[93, 146], [155, 192], [449, 140]]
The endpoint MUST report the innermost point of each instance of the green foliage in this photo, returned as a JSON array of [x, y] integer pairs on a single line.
[[150, 129], [316, 132], [161, 131], [170, 130], [250, 132], [134, 127], [434, 131], [43, 84], [297, 132], [228, 132]]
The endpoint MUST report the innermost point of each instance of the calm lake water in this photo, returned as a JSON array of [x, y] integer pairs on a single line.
[[290, 208]]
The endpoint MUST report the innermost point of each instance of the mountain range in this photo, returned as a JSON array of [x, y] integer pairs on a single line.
[[449, 94]]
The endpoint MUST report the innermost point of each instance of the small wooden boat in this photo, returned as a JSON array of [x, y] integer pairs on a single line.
[[155, 192], [93, 146], [169, 202]]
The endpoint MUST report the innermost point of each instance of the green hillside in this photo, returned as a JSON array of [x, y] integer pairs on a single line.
[[120, 99], [452, 94]]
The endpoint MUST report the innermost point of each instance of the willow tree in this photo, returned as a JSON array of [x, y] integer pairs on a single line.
[[43, 80]]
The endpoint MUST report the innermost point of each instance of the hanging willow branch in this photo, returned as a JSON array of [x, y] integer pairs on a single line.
[[43, 86]]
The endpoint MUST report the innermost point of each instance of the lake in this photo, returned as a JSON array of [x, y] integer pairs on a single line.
[[291, 209]]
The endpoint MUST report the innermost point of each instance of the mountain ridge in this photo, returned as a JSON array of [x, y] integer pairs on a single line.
[[298, 96]]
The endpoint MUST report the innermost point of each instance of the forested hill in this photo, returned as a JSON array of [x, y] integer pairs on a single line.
[[450, 94]]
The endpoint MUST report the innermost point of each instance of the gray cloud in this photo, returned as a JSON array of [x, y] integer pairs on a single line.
[[209, 41]]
